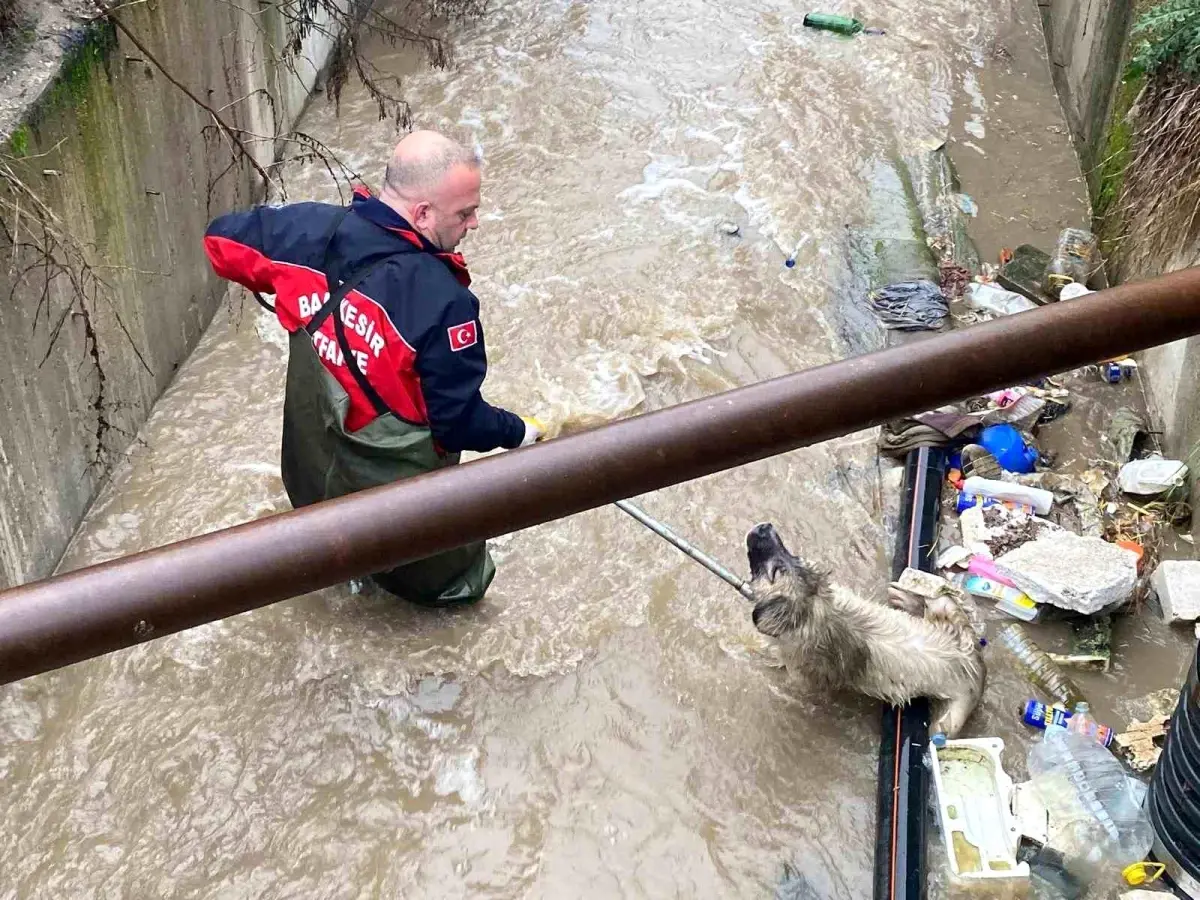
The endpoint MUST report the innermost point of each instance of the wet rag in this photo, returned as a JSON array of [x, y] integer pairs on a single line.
[[930, 429]]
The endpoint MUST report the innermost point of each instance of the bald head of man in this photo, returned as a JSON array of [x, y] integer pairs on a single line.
[[433, 182]]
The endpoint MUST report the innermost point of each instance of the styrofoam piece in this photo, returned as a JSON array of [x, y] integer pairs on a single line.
[[1033, 820]]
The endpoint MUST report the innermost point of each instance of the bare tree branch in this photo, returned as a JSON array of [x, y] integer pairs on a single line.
[[216, 117]]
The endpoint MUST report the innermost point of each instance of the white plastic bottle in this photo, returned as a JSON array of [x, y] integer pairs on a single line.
[[1008, 599], [1040, 500]]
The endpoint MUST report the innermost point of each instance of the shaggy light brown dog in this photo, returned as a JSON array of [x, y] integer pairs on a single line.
[[841, 641]]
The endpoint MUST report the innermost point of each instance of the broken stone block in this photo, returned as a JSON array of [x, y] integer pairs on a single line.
[[1141, 744], [1177, 582], [1081, 574], [994, 530]]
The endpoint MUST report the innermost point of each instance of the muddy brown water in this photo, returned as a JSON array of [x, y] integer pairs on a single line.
[[607, 723]]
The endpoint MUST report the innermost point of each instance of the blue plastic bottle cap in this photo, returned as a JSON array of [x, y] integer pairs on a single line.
[[790, 262], [938, 740]]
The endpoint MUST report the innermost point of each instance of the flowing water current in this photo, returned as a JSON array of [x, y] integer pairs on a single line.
[[607, 723]]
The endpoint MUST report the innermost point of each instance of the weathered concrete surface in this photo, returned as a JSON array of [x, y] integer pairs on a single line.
[[1172, 379], [134, 180], [1083, 574], [1087, 43], [1177, 582], [1085, 39]]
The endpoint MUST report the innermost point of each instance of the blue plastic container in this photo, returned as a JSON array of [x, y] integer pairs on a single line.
[[1006, 444]]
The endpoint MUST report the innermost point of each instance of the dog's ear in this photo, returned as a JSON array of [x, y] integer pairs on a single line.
[[771, 617], [814, 578]]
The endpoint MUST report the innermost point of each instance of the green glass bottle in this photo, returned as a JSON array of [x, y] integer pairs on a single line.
[[830, 22]]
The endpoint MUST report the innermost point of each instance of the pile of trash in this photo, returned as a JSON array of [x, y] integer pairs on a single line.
[[1079, 547], [1078, 544]]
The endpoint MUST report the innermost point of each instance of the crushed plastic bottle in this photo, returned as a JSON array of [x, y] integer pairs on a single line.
[[1073, 259], [1081, 722], [994, 299], [1038, 667], [1095, 809], [1039, 715]]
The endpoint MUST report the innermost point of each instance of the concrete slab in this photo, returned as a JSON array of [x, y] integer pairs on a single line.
[[1083, 574], [1177, 582]]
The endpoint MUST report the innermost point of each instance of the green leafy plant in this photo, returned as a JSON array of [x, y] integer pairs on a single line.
[[1169, 36]]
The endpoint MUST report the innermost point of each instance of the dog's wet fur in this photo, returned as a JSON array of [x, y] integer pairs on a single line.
[[839, 641]]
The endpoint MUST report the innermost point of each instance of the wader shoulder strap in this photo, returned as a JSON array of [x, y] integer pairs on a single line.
[[336, 296], [337, 223], [333, 303]]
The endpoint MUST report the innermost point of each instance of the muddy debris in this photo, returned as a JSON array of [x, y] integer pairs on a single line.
[[1012, 530], [1141, 743], [1091, 645], [953, 279]]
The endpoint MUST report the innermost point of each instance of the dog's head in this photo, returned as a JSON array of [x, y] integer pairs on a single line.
[[784, 587]]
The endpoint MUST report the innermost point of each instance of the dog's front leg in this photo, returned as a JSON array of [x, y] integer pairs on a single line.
[[913, 604], [949, 716]]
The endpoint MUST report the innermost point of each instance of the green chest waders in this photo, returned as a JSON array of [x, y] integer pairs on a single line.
[[320, 460]]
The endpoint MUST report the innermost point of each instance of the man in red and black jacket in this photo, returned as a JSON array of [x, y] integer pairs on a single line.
[[384, 376]]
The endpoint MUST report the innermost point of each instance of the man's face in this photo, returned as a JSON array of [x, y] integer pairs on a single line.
[[451, 209]]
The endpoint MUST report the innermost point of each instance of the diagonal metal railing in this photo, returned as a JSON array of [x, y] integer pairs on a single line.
[[73, 616]]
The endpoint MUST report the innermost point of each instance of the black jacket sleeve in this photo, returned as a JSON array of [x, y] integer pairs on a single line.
[[452, 364]]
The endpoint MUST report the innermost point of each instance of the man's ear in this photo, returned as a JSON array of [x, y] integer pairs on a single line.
[[421, 212]]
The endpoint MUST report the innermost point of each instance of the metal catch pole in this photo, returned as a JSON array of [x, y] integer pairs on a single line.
[[694, 552]]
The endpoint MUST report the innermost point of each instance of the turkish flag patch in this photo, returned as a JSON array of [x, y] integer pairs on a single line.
[[463, 336]]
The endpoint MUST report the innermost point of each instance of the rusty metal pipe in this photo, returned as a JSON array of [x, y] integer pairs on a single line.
[[80, 614]]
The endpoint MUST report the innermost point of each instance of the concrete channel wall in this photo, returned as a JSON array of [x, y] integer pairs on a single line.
[[119, 164], [1088, 44], [1086, 41]]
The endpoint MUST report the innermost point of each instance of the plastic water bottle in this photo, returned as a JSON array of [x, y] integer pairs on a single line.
[[790, 260], [1039, 668], [1074, 259], [1038, 715], [1081, 722], [1098, 811]]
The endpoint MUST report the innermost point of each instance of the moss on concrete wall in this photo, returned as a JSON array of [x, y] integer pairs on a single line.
[[120, 158], [1171, 373], [1108, 177]]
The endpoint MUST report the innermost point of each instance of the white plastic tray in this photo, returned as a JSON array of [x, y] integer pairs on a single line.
[[974, 796]]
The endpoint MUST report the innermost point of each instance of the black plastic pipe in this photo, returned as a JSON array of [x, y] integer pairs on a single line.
[[903, 784], [1174, 799]]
